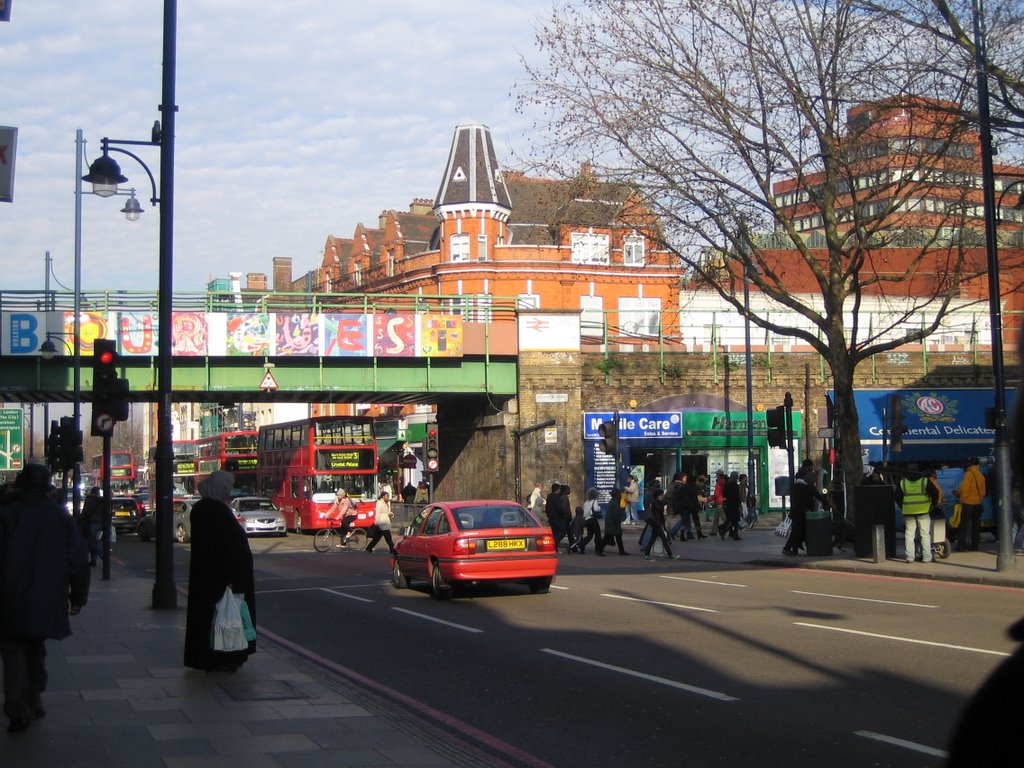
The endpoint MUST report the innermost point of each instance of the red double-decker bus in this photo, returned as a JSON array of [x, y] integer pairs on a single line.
[[302, 464], [123, 471], [234, 452]]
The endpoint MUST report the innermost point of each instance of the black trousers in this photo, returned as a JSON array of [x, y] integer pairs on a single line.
[[593, 532], [24, 676], [377, 533]]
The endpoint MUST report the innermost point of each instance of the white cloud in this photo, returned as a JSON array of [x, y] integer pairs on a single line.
[[296, 121]]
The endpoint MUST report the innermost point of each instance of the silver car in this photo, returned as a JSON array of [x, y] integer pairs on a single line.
[[258, 516]]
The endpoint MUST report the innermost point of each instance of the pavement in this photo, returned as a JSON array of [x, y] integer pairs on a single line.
[[118, 694]]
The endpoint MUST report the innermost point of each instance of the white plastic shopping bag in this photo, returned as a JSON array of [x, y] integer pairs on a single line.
[[228, 630]]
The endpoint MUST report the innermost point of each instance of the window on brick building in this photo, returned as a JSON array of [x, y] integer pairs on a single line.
[[528, 301], [640, 317], [460, 247], [481, 247], [633, 251], [589, 248], [592, 315]]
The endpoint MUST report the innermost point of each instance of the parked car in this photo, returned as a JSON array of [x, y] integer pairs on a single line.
[[126, 511], [462, 543], [181, 527], [259, 515]]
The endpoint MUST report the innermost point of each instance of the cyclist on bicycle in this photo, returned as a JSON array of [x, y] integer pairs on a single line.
[[342, 513]]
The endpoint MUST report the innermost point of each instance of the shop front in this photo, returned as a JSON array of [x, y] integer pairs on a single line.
[[654, 446]]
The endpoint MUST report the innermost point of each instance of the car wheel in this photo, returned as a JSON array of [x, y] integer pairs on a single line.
[[180, 534], [439, 588], [540, 586], [398, 579]]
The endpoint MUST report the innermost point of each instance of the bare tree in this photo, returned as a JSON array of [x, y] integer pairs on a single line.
[[748, 123], [952, 23]]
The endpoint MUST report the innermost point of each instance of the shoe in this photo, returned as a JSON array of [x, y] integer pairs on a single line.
[[927, 561], [790, 552], [623, 554], [909, 560], [735, 537], [701, 535], [674, 557], [648, 557], [721, 533], [599, 554], [17, 725], [367, 550]]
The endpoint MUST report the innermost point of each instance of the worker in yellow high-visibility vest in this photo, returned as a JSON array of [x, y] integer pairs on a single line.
[[916, 495]]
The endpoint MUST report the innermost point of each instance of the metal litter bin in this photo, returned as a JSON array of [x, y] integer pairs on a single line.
[[819, 532]]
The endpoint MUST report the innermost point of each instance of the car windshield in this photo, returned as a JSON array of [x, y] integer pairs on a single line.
[[250, 505], [510, 516]]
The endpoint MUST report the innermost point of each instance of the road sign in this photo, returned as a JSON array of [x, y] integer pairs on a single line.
[[12, 439], [269, 382], [102, 424]]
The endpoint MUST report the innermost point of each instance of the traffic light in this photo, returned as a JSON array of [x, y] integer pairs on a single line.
[[775, 419], [433, 455], [53, 447], [109, 391], [897, 427], [104, 368], [70, 443], [609, 432]]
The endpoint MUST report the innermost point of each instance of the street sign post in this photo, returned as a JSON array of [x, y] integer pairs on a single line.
[[12, 439]]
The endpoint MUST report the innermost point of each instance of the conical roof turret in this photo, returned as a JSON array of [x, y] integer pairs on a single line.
[[472, 177]]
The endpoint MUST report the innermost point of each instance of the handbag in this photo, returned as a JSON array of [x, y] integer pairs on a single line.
[[954, 521], [228, 631], [784, 527], [645, 537]]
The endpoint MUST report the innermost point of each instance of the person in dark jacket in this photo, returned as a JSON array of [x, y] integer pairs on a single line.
[[91, 523], [731, 508], [44, 576], [804, 496], [220, 557], [613, 520], [559, 517], [656, 520]]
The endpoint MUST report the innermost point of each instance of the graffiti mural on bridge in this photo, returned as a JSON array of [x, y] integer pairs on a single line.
[[226, 334]]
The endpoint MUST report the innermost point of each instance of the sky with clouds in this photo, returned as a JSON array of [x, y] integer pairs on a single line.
[[296, 120]]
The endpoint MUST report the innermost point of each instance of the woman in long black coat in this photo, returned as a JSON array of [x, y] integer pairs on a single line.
[[220, 556]]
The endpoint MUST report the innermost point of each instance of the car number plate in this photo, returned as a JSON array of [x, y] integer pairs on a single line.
[[122, 513], [506, 544]]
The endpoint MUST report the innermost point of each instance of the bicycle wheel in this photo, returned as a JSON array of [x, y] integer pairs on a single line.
[[357, 540], [323, 540]]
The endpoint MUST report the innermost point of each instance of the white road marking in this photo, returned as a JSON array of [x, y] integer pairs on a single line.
[[708, 581], [555, 586], [345, 594], [315, 589], [902, 639], [643, 676], [862, 599], [902, 743], [436, 620], [658, 602]]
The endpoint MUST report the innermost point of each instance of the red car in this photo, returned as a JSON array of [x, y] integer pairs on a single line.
[[461, 543]]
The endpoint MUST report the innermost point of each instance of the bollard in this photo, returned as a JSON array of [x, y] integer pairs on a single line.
[[878, 544]]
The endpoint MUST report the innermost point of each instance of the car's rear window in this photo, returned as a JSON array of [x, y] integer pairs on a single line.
[[469, 518], [116, 504]]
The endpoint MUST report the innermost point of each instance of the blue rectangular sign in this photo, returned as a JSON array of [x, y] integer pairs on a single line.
[[636, 425]]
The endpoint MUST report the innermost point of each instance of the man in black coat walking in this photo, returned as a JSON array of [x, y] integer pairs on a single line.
[[44, 575]]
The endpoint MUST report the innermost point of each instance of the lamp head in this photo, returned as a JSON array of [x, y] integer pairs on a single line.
[[104, 175], [47, 349], [132, 209]]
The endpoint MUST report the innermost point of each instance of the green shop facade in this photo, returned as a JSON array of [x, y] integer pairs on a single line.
[[653, 446]]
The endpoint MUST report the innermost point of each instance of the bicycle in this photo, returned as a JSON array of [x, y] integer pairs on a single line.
[[327, 539]]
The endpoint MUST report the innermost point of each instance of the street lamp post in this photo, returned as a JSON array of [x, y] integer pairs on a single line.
[[751, 481], [1004, 558], [105, 175]]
